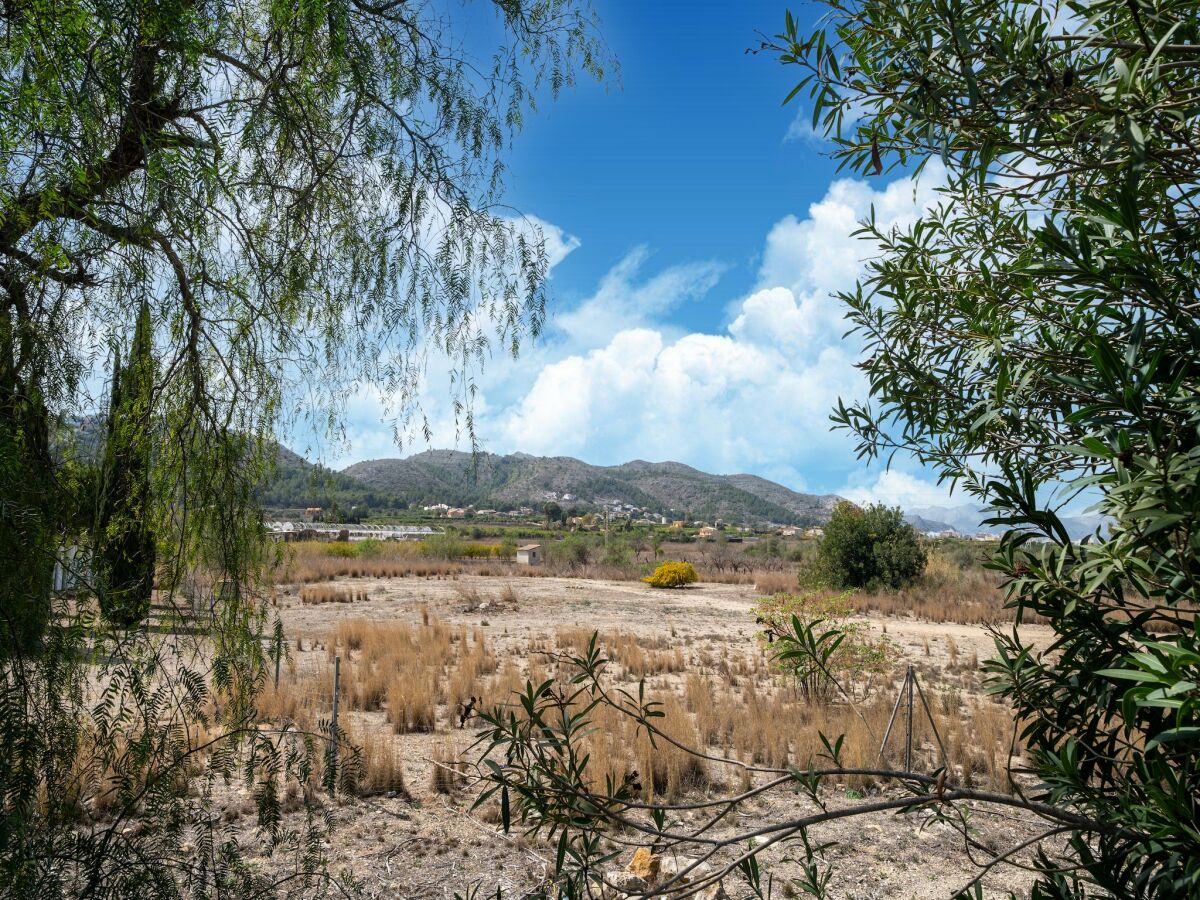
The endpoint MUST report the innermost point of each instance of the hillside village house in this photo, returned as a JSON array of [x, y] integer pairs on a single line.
[[529, 555], [706, 532]]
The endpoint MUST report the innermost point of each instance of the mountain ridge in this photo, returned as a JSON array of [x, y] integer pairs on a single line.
[[968, 519], [667, 488]]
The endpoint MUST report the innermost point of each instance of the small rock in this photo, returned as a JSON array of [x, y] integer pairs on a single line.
[[645, 865], [647, 871]]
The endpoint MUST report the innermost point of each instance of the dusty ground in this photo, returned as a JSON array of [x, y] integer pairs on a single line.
[[428, 845]]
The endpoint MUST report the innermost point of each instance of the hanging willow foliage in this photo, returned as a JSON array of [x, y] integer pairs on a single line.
[[292, 200]]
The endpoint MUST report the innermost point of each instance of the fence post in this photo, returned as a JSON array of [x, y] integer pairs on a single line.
[[333, 725], [908, 727], [337, 683]]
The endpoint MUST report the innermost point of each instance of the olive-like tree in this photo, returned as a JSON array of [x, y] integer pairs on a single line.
[[306, 198], [1034, 338], [870, 548]]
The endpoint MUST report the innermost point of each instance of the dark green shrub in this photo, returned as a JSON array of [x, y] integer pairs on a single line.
[[871, 548]]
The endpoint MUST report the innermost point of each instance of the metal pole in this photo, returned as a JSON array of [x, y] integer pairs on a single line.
[[908, 730], [887, 732], [932, 724], [278, 656]]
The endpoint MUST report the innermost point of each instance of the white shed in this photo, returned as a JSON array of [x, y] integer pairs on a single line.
[[529, 555]]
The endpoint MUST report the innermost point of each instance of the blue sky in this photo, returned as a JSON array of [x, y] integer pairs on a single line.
[[698, 230]]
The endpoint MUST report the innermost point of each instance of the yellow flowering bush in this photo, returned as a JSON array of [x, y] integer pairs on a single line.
[[671, 575]]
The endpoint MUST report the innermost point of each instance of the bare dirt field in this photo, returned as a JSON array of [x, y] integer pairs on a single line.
[[422, 841]]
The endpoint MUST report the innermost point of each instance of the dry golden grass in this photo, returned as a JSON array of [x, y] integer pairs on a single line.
[[377, 769], [469, 594], [305, 562], [718, 697], [764, 726], [325, 593], [639, 656], [944, 593], [739, 710], [449, 770], [412, 702], [619, 750], [771, 583], [752, 717], [475, 661], [108, 775], [295, 701], [500, 688], [409, 671], [970, 597]]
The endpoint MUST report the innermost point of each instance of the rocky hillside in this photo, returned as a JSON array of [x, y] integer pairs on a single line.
[[295, 483], [669, 488]]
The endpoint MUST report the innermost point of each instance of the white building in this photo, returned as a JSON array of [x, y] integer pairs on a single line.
[[331, 530], [529, 555]]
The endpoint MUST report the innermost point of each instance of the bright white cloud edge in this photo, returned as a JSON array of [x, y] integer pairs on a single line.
[[615, 379]]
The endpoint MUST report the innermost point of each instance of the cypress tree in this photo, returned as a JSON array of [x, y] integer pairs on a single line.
[[124, 538], [28, 500]]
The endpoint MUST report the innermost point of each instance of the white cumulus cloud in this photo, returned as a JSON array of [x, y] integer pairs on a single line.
[[896, 488], [618, 377], [754, 397], [557, 242], [624, 299]]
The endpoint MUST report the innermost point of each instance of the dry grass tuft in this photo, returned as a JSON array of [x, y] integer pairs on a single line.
[[376, 767], [469, 595], [326, 593], [639, 656], [449, 770], [771, 583]]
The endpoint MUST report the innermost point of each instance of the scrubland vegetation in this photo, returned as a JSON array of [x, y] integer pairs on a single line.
[[953, 587], [419, 679], [420, 682], [726, 699]]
